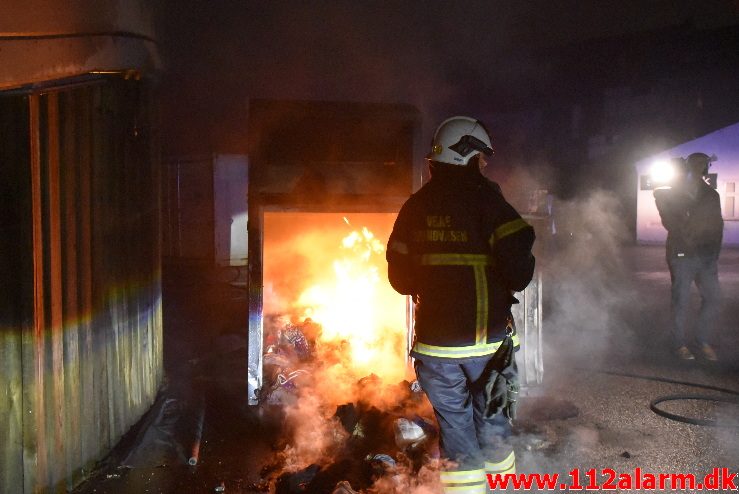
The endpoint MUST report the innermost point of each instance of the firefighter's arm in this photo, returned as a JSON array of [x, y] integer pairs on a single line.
[[400, 270], [511, 242]]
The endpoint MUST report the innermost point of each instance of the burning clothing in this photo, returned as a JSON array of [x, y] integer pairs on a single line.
[[460, 249]]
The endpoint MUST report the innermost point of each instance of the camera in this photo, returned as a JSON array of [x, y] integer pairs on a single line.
[[667, 172]]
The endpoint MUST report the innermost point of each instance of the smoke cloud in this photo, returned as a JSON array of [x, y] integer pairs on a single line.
[[587, 279]]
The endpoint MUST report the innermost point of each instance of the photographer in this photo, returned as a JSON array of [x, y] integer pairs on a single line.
[[691, 213]]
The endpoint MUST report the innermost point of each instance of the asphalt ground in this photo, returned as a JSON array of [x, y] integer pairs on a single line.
[[606, 336], [608, 372]]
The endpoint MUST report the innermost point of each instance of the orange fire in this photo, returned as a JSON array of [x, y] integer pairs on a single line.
[[344, 289]]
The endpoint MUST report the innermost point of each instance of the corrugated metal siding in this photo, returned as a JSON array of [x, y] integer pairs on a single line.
[[15, 289], [81, 342]]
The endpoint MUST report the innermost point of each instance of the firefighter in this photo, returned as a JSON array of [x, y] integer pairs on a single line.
[[691, 213], [460, 250]]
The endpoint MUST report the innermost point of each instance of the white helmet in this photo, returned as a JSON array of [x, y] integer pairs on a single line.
[[458, 139]]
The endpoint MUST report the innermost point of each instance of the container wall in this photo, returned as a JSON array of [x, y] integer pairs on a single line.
[[230, 185], [83, 334], [320, 157], [204, 209], [43, 40], [16, 288], [188, 209]]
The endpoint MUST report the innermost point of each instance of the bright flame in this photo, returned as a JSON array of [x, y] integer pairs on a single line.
[[355, 306], [662, 171], [317, 267]]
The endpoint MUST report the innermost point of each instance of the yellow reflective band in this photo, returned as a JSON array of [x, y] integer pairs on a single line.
[[508, 229], [467, 489], [456, 260], [502, 467], [481, 290], [459, 476], [460, 351], [511, 470], [478, 262]]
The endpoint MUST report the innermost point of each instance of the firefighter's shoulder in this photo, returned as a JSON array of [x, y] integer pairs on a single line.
[[491, 196], [491, 187]]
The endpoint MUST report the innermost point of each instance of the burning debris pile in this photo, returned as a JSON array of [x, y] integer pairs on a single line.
[[335, 366], [381, 439]]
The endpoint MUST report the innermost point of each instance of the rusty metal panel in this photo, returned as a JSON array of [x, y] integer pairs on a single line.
[[89, 443], [98, 315], [11, 410], [34, 354], [16, 289], [54, 326], [73, 404], [81, 341]]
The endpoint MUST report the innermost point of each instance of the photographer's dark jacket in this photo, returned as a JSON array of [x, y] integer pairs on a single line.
[[460, 249], [694, 225]]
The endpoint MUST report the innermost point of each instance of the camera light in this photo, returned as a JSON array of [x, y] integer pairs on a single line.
[[662, 171]]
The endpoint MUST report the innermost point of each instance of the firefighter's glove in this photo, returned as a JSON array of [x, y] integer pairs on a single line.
[[513, 388], [501, 382]]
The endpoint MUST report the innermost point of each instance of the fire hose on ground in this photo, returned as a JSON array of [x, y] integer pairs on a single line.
[[653, 405]]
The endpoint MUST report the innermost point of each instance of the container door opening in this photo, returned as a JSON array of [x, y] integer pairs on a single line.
[[325, 282]]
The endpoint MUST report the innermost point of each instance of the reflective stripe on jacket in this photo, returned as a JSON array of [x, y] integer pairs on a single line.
[[460, 249]]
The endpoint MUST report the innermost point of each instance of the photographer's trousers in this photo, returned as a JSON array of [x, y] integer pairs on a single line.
[[704, 272]]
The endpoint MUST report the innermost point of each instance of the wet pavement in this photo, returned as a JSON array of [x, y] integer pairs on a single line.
[[602, 356]]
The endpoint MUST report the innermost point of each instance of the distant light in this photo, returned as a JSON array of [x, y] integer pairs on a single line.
[[662, 171]]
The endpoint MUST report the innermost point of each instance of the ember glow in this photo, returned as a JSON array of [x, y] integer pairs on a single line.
[[334, 272]]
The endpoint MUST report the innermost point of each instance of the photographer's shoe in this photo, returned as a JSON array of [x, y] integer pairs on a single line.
[[708, 352], [684, 353]]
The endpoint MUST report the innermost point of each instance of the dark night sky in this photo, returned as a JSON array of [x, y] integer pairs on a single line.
[[443, 57]]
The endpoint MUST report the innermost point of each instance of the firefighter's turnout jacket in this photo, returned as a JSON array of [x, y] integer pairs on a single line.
[[460, 250], [694, 224]]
